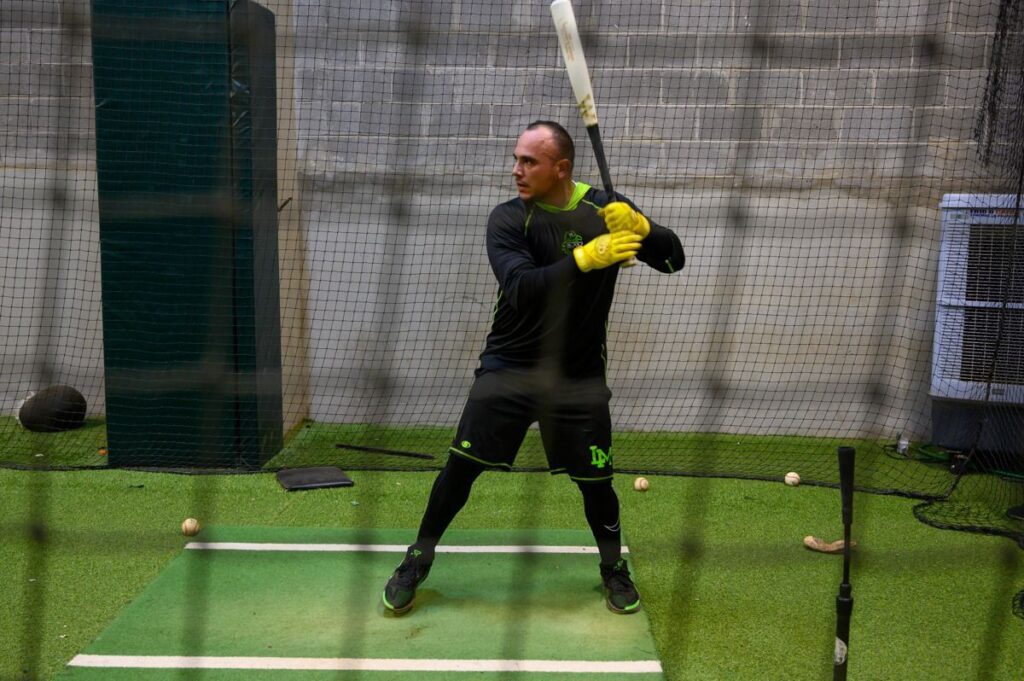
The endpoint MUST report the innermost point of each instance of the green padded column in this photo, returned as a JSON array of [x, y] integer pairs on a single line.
[[185, 236]]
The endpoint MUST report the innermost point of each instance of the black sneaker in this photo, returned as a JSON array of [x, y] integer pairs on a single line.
[[620, 593], [400, 590]]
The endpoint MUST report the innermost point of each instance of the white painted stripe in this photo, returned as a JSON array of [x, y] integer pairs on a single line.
[[382, 548], [366, 664]]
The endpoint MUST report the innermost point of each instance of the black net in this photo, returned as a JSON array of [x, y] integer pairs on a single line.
[[255, 239]]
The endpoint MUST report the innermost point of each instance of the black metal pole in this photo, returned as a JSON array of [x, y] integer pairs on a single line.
[[844, 601]]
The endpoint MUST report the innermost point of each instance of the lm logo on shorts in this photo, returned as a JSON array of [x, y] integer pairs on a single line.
[[570, 241], [598, 457]]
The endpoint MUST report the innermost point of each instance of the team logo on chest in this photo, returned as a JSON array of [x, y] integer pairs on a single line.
[[570, 241]]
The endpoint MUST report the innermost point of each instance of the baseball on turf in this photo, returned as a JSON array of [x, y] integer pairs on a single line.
[[190, 527], [792, 479], [641, 484]]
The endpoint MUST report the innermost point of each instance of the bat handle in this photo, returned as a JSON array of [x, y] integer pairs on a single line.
[[846, 456], [606, 179]]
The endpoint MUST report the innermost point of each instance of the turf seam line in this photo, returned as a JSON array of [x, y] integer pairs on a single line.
[[384, 548], [366, 664]]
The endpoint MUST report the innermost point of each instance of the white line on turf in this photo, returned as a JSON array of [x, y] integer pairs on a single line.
[[381, 548], [366, 664]]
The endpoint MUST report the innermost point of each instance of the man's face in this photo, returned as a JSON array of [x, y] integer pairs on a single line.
[[539, 173]]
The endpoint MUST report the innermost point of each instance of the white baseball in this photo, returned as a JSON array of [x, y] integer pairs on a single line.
[[792, 479], [641, 484]]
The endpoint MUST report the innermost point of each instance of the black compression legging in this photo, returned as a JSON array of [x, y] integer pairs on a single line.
[[451, 491], [601, 506], [447, 497]]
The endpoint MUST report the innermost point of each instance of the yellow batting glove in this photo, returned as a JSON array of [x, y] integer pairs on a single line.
[[606, 250], [619, 216]]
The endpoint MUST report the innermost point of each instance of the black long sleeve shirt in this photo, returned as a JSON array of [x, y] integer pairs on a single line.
[[548, 312]]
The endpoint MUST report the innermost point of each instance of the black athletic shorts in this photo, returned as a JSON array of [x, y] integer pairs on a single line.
[[575, 425]]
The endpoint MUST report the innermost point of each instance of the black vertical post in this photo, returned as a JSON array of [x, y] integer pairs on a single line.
[[844, 601]]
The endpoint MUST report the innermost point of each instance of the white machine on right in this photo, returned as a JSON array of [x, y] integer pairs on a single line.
[[977, 387]]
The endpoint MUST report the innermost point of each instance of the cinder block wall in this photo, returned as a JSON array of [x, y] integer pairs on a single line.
[[800, 154]]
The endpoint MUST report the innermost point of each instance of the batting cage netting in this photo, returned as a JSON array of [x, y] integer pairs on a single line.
[[243, 237]]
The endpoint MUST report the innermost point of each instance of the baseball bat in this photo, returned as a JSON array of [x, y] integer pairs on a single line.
[[844, 601], [579, 78], [388, 452]]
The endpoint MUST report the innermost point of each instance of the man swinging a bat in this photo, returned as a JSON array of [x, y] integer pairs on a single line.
[[555, 251]]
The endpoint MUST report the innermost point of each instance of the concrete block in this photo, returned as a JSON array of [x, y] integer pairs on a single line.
[[946, 123], [448, 49], [603, 50], [697, 159], [817, 124], [877, 123], [801, 51], [832, 87], [662, 123], [526, 50], [324, 158], [424, 85], [340, 84], [29, 13], [358, 15], [28, 80], [69, 79], [907, 16], [544, 85], [496, 86], [841, 16], [626, 159], [457, 120], [909, 87], [779, 164], [44, 45], [629, 86], [697, 16], [338, 118], [741, 51], [427, 49], [611, 15], [647, 50], [766, 87], [18, 44], [53, 115], [880, 51], [729, 123], [475, 158], [485, 16], [508, 120], [962, 88], [964, 51], [316, 50], [694, 87], [392, 119], [782, 16], [972, 17]]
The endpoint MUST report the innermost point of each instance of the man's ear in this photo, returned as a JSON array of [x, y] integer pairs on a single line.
[[564, 168]]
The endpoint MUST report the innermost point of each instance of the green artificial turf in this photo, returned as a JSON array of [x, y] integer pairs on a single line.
[[729, 588], [69, 449], [714, 454], [922, 472]]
